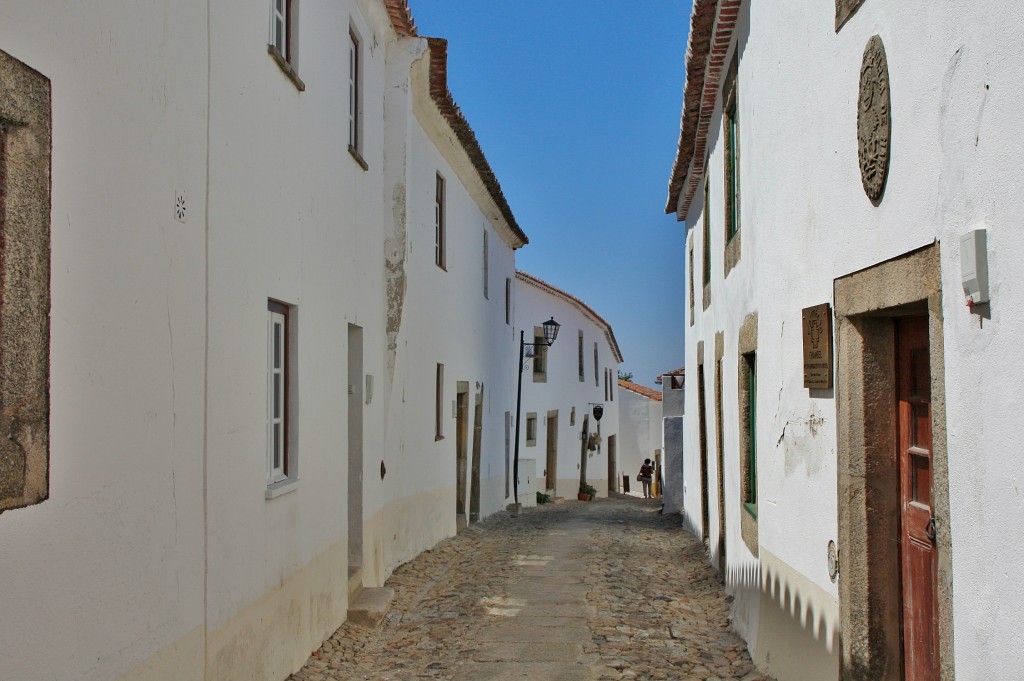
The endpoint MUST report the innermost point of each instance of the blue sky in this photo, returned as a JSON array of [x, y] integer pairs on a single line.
[[576, 105]]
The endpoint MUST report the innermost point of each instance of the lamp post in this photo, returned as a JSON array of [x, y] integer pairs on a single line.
[[550, 334]]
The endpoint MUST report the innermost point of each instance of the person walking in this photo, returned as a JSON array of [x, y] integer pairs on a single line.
[[646, 476]]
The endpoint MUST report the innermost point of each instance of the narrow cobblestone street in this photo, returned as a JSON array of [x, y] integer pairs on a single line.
[[602, 590]]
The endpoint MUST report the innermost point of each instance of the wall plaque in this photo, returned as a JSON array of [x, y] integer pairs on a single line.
[[818, 346], [874, 119]]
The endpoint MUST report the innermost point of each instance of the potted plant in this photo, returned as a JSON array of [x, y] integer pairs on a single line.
[[587, 492]]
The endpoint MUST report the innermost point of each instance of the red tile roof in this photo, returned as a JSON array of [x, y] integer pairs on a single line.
[[460, 126], [583, 307], [401, 17], [402, 22], [641, 390], [705, 65]]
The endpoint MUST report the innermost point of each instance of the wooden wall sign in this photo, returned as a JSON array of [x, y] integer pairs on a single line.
[[818, 346]]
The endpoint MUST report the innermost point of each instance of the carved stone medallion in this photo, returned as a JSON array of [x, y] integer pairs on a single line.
[[874, 119], [844, 9]]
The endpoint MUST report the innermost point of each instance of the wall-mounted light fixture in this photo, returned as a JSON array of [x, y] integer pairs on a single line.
[[550, 334]]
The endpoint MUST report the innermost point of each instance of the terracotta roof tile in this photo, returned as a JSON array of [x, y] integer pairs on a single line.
[[401, 17], [644, 391], [460, 126], [705, 61], [586, 309]]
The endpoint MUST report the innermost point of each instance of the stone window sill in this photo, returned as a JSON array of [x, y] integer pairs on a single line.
[[278, 489], [358, 157], [286, 68]]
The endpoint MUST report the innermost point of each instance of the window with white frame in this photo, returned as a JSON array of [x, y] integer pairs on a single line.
[[508, 300], [280, 20], [355, 131], [439, 403], [439, 236], [486, 265], [283, 39], [278, 375]]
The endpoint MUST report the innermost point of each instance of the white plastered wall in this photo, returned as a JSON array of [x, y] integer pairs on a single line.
[[563, 390], [109, 569], [445, 319], [806, 221], [293, 217]]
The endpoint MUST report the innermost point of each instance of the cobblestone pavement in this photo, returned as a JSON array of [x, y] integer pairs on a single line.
[[603, 590]]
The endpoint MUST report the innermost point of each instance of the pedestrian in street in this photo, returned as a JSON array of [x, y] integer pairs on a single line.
[[646, 476]]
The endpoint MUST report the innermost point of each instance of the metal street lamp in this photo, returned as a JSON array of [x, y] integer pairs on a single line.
[[550, 334]]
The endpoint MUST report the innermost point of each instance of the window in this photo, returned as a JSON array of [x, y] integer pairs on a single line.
[[283, 38], [486, 270], [732, 213], [355, 100], [748, 437], [280, 22], [508, 300], [439, 237], [691, 279], [605, 385], [439, 403], [279, 466], [540, 356], [531, 429], [597, 381], [25, 163], [707, 234], [572, 417], [613, 378], [731, 135], [580, 359]]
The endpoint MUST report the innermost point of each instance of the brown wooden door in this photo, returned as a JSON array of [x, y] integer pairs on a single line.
[[551, 479], [917, 527]]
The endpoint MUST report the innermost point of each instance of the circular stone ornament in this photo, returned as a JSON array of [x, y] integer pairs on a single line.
[[874, 119], [833, 561]]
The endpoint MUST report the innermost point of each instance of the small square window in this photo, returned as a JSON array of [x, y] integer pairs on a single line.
[[531, 429]]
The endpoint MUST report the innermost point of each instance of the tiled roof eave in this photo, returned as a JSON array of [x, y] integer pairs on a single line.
[[453, 115], [583, 307], [712, 24]]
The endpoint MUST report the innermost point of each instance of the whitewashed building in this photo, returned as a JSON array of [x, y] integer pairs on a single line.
[[673, 411], [449, 375], [640, 433], [220, 404], [852, 337], [561, 386]]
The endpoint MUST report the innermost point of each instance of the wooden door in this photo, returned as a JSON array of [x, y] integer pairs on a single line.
[[702, 431], [551, 480], [917, 526]]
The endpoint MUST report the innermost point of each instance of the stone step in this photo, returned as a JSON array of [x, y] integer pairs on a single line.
[[370, 606], [355, 581]]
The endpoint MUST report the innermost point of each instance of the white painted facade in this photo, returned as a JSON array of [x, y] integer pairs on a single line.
[[453, 316], [640, 428], [805, 223], [566, 392], [110, 569], [164, 549], [673, 411]]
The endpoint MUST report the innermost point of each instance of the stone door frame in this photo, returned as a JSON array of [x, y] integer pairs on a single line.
[[866, 303]]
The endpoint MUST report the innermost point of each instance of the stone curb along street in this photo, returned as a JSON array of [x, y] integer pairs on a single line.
[[608, 589]]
